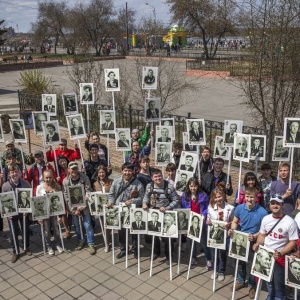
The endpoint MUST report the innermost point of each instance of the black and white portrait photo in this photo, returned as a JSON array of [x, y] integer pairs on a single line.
[[70, 104], [40, 208], [195, 226], [112, 80], [24, 196], [26, 115], [18, 130], [280, 153], [76, 195], [169, 122], [155, 220], [152, 109], [138, 220], [170, 228], [112, 217], [188, 161], [220, 150], [292, 272], [239, 245], [242, 147], [86, 93], [291, 133], [107, 121], [39, 117], [196, 131], [258, 147], [101, 200], [149, 78], [181, 180], [183, 217], [216, 235], [51, 133], [125, 214], [186, 145], [122, 137], [92, 202], [263, 263], [76, 126], [49, 104], [163, 152], [164, 134], [56, 204], [230, 128], [8, 204]]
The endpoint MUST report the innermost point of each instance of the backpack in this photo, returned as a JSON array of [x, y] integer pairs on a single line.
[[165, 188]]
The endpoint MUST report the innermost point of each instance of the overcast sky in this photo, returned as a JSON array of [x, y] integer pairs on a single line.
[[20, 13]]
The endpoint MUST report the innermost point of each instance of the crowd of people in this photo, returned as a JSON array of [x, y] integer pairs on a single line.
[[265, 208]]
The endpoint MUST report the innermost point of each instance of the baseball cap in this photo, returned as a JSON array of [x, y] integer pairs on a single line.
[[135, 130], [9, 142], [38, 152], [72, 165], [277, 198]]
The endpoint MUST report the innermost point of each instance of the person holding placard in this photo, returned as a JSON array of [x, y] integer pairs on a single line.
[[143, 139], [102, 150], [176, 154], [12, 161], [63, 150], [278, 232], [206, 162], [16, 182]]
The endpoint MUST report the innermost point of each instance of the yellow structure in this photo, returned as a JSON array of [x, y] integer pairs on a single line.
[[177, 34]]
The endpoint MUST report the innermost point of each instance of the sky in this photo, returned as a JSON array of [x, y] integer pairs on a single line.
[[19, 14]]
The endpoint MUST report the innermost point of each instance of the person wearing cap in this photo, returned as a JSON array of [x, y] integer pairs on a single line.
[[70, 154], [35, 171], [11, 149], [79, 178], [51, 136], [278, 232], [281, 187], [11, 160], [15, 182], [102, 149]]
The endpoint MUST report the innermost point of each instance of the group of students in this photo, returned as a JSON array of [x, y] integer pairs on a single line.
[[258, 204]]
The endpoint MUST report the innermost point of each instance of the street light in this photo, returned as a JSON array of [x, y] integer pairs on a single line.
[[154, 13]]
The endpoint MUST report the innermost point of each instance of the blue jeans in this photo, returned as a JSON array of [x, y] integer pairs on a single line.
[[203, 242], [87, 223], [244, 268], [276, 287]]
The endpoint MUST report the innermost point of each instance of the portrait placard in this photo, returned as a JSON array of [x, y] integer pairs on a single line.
[[18, 131], [183, 217], [220, 150], [170, 228], [230, 128], [24, 196], [195, 226], [155, 220], [112, 217], [112, 80], [51, 133], [70, 103], [150, 77], [87, 95], [163, 153], [196, 131], [76, 195], [76, 126], [101, 201], [122, 137], [152, 109], [8, 204], [138, 221], [188, 161], [164, 134], [216, 235], [125, 214], [49, 104], [181, 180], [258, 147], [169, 122], [25, 115], [107, 121], [263, 263], [39, 117], [239, 245], [242, 147], [40, 208], [291, 134], [56, 204], [186, 145], [292, 272], [280, 153]]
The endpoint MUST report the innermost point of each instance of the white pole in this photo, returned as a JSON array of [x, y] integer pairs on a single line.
[[179, 254], [234, 280], [198, 162], [113, 99], [24, 231], [291, 168], [126, 256], [107, 143], [1, 168], [61, 237], [256, 164], [278, 177], [103, 233], [258, 288], [138, 251], [229, 164], [14, 237], [240, 175], [190, 262], [152, 138], [81, 155], [215, 270], [113, 246], [295, 293], [152, 250], [22, 155], [88, 118], [43, 238], [170, 258]]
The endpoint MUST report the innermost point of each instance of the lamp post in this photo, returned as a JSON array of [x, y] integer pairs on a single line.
[[154, 13]]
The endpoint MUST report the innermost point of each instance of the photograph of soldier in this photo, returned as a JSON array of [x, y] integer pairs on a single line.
[[188, 161], [112, 80], [70, 103], [24, 196], [8, 204], [40, 208], [217, 235], [138, 220], [241, 148], [258, 147], [112, 217], [196, 131], [230, 128], [76, 195], [86, 93], [239, 245], [163, 153], [49, 104], [155, 217], [291, 134], [149, 78]]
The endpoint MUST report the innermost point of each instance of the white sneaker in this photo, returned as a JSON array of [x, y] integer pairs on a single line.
[[107, 249], [59, 249], [50, 251], [183, 247], [221, 276], [212, 275]]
